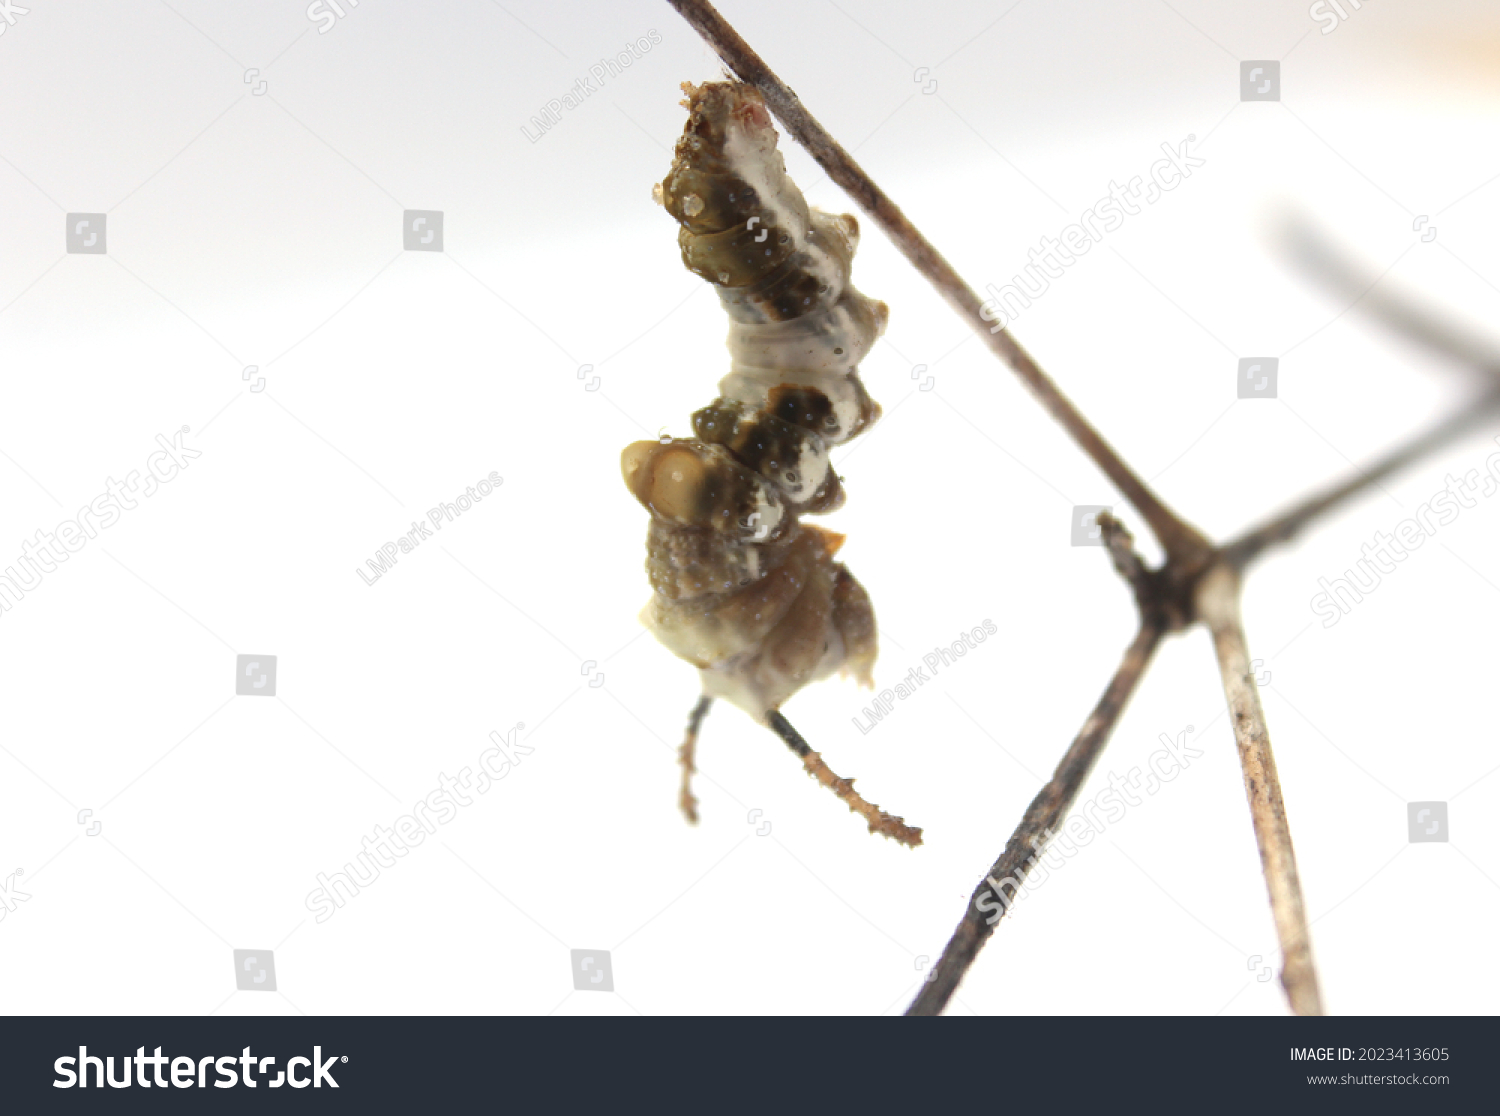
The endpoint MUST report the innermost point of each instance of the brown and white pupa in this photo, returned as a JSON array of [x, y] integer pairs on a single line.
[[742, 589]]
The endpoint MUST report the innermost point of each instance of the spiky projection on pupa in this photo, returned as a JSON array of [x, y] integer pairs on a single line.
[[742, 589]]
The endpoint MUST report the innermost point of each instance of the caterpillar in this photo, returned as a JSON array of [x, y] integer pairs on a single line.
[[741, 588]]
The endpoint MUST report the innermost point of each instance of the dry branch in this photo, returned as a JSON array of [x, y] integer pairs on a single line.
[[1219, 606], [1280, 528], [1046, 812], [1316, 256]]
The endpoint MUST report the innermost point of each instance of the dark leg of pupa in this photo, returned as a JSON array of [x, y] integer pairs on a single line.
[[887, 825], [686, 754]]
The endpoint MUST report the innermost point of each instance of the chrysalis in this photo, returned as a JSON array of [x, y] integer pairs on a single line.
[[743, 589]]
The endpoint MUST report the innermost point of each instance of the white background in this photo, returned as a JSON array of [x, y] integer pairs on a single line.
[[264, 230]]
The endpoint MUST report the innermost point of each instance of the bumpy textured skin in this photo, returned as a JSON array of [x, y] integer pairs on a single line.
[[741, 588]]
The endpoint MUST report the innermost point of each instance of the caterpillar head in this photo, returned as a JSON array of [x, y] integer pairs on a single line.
[[689, 484], [702, 191], [741, 216]]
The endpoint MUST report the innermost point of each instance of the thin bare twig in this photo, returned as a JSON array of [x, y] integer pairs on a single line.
[[887, 825], [1336, 270], [1178, 539], [1313, 253], [1219, 606], [686, 755], [1127, 563], [1252, 544], [990, 901]]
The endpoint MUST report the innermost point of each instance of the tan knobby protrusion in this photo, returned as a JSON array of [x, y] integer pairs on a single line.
[[880, 822]]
